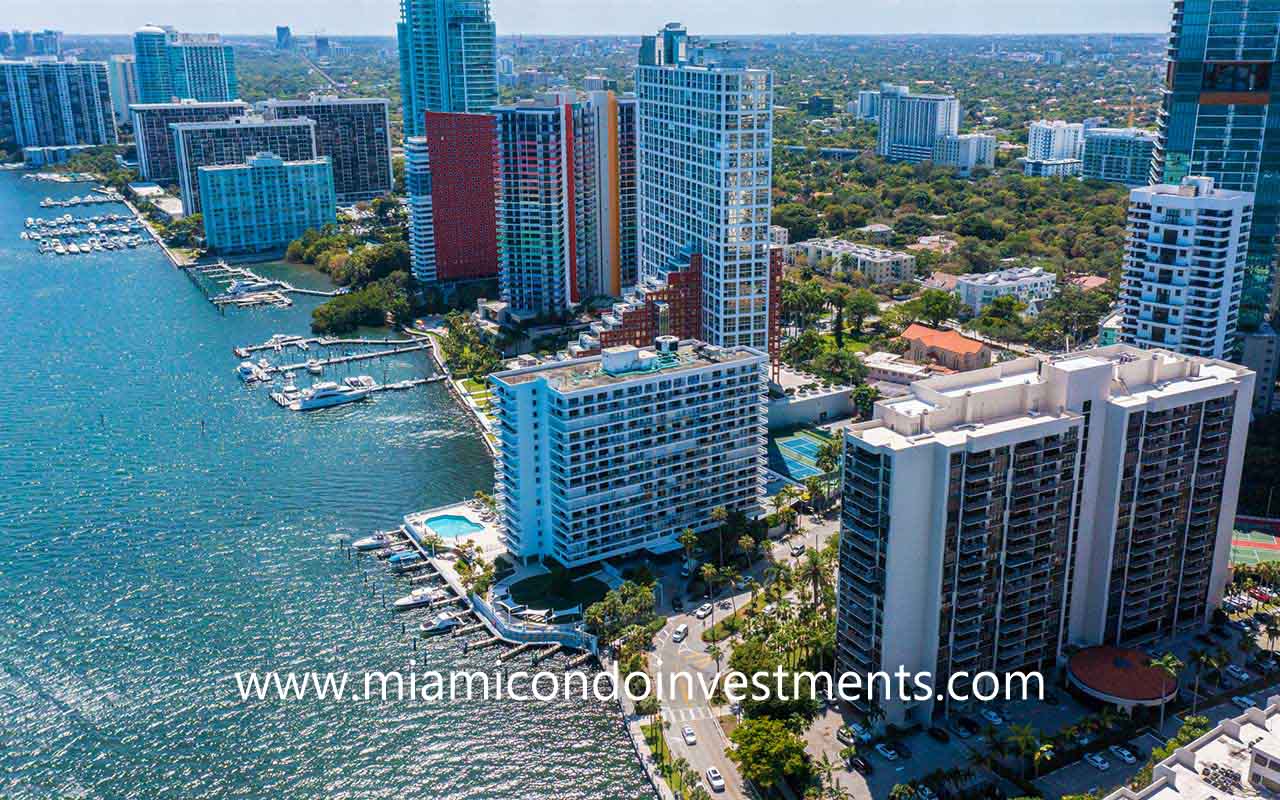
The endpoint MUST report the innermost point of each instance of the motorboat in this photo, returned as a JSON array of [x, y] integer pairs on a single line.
[[360, 382], [239, 287], [443, 622], [327, 394], [418, 598], [314, 366], [376, 541], [250, 372]]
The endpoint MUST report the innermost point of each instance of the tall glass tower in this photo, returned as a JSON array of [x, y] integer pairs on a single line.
[[1216, 119], [172, 65], [448, 59]]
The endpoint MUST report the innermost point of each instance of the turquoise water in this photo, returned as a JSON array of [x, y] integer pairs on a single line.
[[450, 526], [164, 526]]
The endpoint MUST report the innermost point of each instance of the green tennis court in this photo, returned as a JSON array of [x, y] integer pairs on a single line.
[[794, 455], [1254, 547]]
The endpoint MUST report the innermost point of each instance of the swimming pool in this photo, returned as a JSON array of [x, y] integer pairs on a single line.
[[451, 526]]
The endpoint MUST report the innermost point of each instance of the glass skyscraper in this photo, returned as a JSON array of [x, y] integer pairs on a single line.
[[1216, 119], [182, 66], [448, 59]]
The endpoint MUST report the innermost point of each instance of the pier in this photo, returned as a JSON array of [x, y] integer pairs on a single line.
[[253, 289], [281, 342], [346, 359]]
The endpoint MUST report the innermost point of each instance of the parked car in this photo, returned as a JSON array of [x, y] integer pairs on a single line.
[[681, 633], [690, 738], [844, 735], [703, 611], [991, 716], [677, 604], [961, 731], [861, 765], [886, 751], [1238, 672], [797, 550], [715, 780], [968, 724], [901, 749], [1096, 761], [925, 793], [1123, 754], [1244, 701], [860, 732], [939, 734]]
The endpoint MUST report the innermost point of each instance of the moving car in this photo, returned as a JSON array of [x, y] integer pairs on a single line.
[[703, 611], [797, 550], [715, 780], [690, 738], [1123, 754], [1096, 761], [681, 632]]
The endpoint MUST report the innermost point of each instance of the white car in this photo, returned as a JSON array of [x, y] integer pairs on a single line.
[[991, 716], [1097, 762], [1238, 672], [1244, 701], [703, 611], [689, 737], [888, 752], [681, 631], [1122, 754], [715, 780]]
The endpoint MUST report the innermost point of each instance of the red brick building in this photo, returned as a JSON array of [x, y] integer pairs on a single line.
[[461, 152]]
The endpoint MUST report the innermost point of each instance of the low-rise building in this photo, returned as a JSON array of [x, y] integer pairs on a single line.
[[1239, 757], [1052, 167], [667, 304], [1109, 329], [948, 348], [619, 453], [878, 264], [779, 236], [265, 203], [1030, 285], [877, 232], [53, 154], [893, 368]]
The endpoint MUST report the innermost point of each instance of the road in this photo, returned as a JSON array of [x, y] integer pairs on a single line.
[[690, 657]]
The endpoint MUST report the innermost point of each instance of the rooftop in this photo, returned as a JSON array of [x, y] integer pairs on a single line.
[[618, 365], [952, 341], [1011, 275], [1113, 673]]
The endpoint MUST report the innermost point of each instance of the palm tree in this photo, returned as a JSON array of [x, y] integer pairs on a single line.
[[1042, 754], [720, 515], [709, 576], [729, 576], [1170, 665], [689, 539], [1199, 661], [813, 571], [715, 652], [1025, 741], [747, 544], [875, 714], [826, 769], [902, 791], [1108, 718], [1273, 632], [679, 767]]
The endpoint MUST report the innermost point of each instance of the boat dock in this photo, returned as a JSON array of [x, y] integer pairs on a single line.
[[265, 291], [346, 359], [284, 401], [281, 342]]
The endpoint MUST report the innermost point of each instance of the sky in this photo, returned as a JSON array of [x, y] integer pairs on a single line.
[[630, 17]]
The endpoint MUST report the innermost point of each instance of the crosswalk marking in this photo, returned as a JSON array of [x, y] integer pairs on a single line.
[[686, 714]]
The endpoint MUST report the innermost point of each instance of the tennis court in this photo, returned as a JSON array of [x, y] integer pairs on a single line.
[[1254, 547], [794, 455]]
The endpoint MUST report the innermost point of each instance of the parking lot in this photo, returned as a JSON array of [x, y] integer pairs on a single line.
[[1081, 777]]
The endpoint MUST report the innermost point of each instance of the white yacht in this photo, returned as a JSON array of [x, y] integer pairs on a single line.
[[250, 372], [419, 597], [327, 394], [360, 382], [376, 541], [441, 623], [314, 366]]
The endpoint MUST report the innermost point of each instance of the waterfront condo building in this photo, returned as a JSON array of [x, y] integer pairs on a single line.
[[1119, 155], [46, 102], [912, 124], [450, 176], [993, 518], [966, 152], [355, 134], [183, 66], [614, 128], [265, 203], [154, 138], [208, 144], [705, 132], [122, 79], [619, 453], [448, 58], [1184, 266], [546, 203], [1055, 140]]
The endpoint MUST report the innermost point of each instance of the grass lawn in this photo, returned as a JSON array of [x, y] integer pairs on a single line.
[[721, 630], [474, 386], [540, 592]]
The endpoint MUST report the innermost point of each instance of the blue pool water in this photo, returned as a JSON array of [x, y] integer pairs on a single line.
[[451, 526]]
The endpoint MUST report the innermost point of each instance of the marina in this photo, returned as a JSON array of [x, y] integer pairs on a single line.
[[241, 287], [105, 196], [69, 235]]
